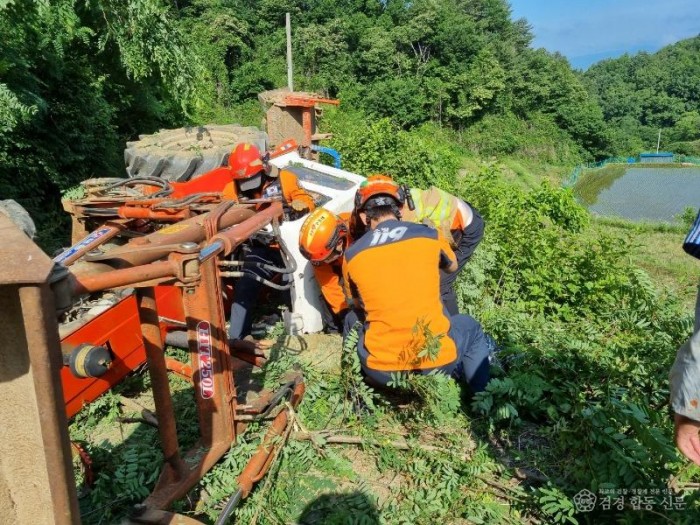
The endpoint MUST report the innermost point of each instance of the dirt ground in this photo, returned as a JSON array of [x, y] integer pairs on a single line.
[[319, 351]]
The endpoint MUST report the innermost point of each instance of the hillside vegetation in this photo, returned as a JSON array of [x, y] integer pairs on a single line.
[[646, 93], [587, 341], [443, 92], [79, 78]]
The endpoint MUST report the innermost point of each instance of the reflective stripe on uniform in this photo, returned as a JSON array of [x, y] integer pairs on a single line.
[[444, 206], [418, 202]]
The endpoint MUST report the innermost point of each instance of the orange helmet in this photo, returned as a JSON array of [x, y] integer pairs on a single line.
[[245, 161], [320, 235], [376, 185]]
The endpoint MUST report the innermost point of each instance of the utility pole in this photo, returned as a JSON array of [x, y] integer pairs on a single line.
[[658, 142], [290, 71]]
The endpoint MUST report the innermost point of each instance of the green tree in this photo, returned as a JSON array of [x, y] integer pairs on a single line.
[[76, 81]]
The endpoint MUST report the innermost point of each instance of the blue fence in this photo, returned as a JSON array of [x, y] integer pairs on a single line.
[[579, 170]]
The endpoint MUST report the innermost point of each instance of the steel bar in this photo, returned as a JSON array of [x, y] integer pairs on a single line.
[[232, 237], [84, 284], [92, 241], [189, 230], [165, 413]]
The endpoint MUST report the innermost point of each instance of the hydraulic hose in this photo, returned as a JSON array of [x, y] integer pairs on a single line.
[[290, 265], [100, 212], [178, 203], [285, 390], [151, 181], [284, 250], [162, 193], [231, 504], [259, 279], [262, 266]]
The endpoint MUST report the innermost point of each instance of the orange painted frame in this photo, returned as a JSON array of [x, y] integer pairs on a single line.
[[119, 328]]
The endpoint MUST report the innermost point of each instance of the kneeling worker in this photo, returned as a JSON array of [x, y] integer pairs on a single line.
[[457, 220], [391, 273], [323, 239]]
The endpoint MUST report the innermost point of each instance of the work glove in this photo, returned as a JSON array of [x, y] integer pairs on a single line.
[[299, 205]]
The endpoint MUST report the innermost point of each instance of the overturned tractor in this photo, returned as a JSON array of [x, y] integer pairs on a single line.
[[154, 260]]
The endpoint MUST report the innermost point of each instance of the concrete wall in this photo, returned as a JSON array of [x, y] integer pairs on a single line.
[[283, 124]]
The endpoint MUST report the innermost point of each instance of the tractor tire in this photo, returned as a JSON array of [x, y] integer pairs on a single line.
[[18, 215], [185, 153]]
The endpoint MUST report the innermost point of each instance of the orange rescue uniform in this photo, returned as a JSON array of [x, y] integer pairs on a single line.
[[391, 273], [286, 185], [329, 277]]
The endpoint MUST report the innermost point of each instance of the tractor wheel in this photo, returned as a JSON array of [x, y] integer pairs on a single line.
[[17, 214], [185, 153]]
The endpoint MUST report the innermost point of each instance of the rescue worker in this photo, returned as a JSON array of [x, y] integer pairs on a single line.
[[322, 240], [254, 178], [391, 275], [457, 220]]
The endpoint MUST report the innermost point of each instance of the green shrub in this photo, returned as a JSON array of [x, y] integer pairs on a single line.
[[586, 335], [420, 157]]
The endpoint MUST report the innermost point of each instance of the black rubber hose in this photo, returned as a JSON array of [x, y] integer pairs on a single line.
[[231, 504], [286, 254], [285, 390], [151, 181], [185, 200], [162, 193], [259, 279], [100, 212], [251, 264]]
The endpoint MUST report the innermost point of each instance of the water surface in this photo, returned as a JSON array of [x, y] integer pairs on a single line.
[[641, 194]]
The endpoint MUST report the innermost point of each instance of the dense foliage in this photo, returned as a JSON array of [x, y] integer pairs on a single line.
[[451, 62], [587, 338], [78, 78], [646, 93]]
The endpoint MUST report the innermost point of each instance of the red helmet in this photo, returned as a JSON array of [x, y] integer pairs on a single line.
[[245, 161], [376, 185], [320, 235]]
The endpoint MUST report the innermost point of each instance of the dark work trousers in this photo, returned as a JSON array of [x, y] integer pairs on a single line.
[[470, 238], [246, 290], [471, 366], [332, 322]]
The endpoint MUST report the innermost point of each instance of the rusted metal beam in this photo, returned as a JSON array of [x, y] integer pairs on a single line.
[[158, 371], [239, 233], [43, 345], [36, 478], [144, 250]]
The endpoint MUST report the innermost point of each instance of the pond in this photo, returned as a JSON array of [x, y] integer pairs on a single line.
[[640, 194]]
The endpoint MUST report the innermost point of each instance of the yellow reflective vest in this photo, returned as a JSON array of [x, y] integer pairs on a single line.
[[439, 209]]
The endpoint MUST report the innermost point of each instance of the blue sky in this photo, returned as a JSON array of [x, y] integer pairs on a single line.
[[586, 31]]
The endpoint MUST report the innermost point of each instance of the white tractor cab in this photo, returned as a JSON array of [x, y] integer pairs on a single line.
[[337, 190]]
